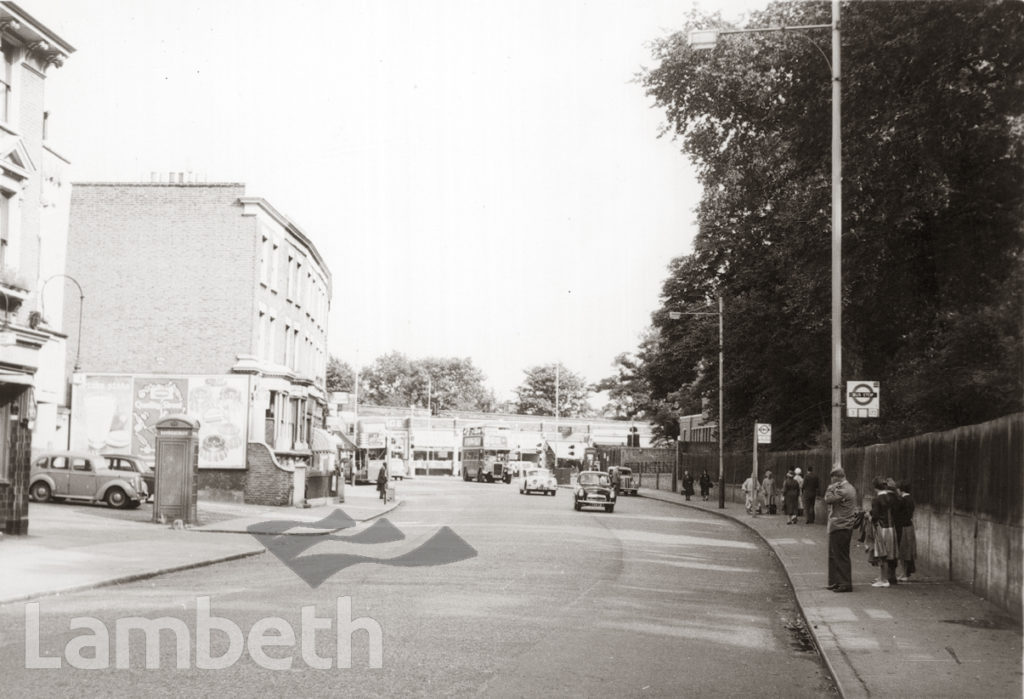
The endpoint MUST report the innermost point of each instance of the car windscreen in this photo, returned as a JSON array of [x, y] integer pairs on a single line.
[[593, 479]]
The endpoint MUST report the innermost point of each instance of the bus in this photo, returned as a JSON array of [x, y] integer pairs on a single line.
[[485, 451]]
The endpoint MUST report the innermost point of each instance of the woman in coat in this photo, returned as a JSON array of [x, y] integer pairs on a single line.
[[906, 538], [705, 484], [883, 519], [687, 484], [790, 497], [768, 491], [382, 482]]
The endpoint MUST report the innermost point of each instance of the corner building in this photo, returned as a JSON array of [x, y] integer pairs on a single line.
[[34, 199], [204, 301]]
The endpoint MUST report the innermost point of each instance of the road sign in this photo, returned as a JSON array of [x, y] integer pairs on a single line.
[[862, 398], [764, 433]]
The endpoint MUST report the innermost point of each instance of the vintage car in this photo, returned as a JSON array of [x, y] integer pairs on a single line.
[[84, 477], [628, 482], [127, 462], [537, 480], [594, 489]]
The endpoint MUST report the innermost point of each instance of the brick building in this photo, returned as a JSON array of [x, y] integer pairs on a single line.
[[205, 301], [33, 226]]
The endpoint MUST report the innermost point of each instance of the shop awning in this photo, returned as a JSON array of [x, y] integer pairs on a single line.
[[325, 441]]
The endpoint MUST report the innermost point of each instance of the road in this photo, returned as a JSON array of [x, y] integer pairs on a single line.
[[651, 600]]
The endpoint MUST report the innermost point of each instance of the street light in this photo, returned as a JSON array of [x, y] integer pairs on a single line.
[[676, 315], [702, 40], [81, 303]]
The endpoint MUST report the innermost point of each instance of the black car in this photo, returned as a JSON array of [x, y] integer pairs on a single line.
[[127, 462], [594, 489]]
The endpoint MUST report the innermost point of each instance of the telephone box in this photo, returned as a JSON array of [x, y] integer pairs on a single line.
[[177, 469]]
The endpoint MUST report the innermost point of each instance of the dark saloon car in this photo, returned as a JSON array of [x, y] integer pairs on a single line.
[[127, 462], [594, 489]]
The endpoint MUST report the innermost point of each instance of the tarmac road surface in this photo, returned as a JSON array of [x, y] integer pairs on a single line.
[[475, 590]]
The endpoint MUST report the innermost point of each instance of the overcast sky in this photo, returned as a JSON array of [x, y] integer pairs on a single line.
[[483, 178]]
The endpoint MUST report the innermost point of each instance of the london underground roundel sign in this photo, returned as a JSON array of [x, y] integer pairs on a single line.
[[862, 398]]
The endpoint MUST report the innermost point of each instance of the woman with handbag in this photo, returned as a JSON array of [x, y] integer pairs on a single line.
[[885, 551]]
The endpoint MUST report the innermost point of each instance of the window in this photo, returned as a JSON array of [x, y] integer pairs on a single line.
[[6, 76], [59, 462], [275, 270], [5, 225], [79, 464], [266, 250], [288, 346]]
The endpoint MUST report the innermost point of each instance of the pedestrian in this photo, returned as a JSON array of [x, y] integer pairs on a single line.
[[798, 476], [906, 537], [687, 484], [706, 484], [885, 553], [841, 501], [809, 493], [749, 489], [768, 488], [616, 479], [790, 497], [382, 482]]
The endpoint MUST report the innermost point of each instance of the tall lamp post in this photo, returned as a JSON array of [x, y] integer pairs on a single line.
[[676, 315], [81, 303], [706, 40]]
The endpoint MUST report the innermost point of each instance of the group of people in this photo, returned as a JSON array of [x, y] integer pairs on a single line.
[[705, 482], [887, 531], [798, 492]]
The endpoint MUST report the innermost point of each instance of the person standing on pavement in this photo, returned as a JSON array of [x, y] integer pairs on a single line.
[[809, 493], [768, 488], [841, 501], [616, 479], [883, 509], [749, 489], [687, 484], [906, 538], [382, 482], [705, 485], [790, 497], [798, 476]]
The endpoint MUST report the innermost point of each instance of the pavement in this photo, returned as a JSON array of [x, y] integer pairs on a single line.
[[926, 638], [72, 547]]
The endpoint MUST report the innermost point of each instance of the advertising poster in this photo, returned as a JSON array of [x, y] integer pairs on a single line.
[[153, 398], [220, 404], [101, 414]]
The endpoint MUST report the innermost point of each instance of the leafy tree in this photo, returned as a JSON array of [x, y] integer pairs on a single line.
[[340, 376], [933, 113], [536, 395], [444, 383], [628, 391]]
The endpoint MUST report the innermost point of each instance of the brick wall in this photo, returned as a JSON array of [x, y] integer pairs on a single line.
[[266, 482], [168, 273]]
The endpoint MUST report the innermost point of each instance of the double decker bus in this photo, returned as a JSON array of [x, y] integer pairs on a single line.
[[485, 451]]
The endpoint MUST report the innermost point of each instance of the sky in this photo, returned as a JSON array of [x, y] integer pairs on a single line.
[[483, 178]]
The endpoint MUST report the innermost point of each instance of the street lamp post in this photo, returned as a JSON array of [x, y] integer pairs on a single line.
[[81, 303], [676, 315], [705, 40]]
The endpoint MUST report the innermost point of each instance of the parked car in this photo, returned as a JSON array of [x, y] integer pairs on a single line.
[[127, 462], [537, 480], [628, 482], [84, 477], [594, 489]]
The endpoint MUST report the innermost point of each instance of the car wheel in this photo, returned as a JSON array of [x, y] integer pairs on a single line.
[[609, 508], [40, 492], [522, 492], [577, 506], [117, 498]]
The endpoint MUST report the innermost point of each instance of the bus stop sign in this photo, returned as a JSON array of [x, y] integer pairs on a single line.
[[862, 398]]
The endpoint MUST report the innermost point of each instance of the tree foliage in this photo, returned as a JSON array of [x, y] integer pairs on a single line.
[[340, 376], [447, 383], [933, 196], [536, 395]]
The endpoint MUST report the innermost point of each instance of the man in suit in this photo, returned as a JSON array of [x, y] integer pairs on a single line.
[[841, 499]]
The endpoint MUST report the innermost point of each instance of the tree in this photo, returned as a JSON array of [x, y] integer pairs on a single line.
[[932, 203], [340, 376], [445, 383], [536, 395], [628, 391]]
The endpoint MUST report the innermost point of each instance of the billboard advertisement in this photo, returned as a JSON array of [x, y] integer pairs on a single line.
[[117, 413]]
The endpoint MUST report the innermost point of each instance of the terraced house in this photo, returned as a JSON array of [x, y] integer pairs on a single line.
[[33, 229], [203, 301]]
